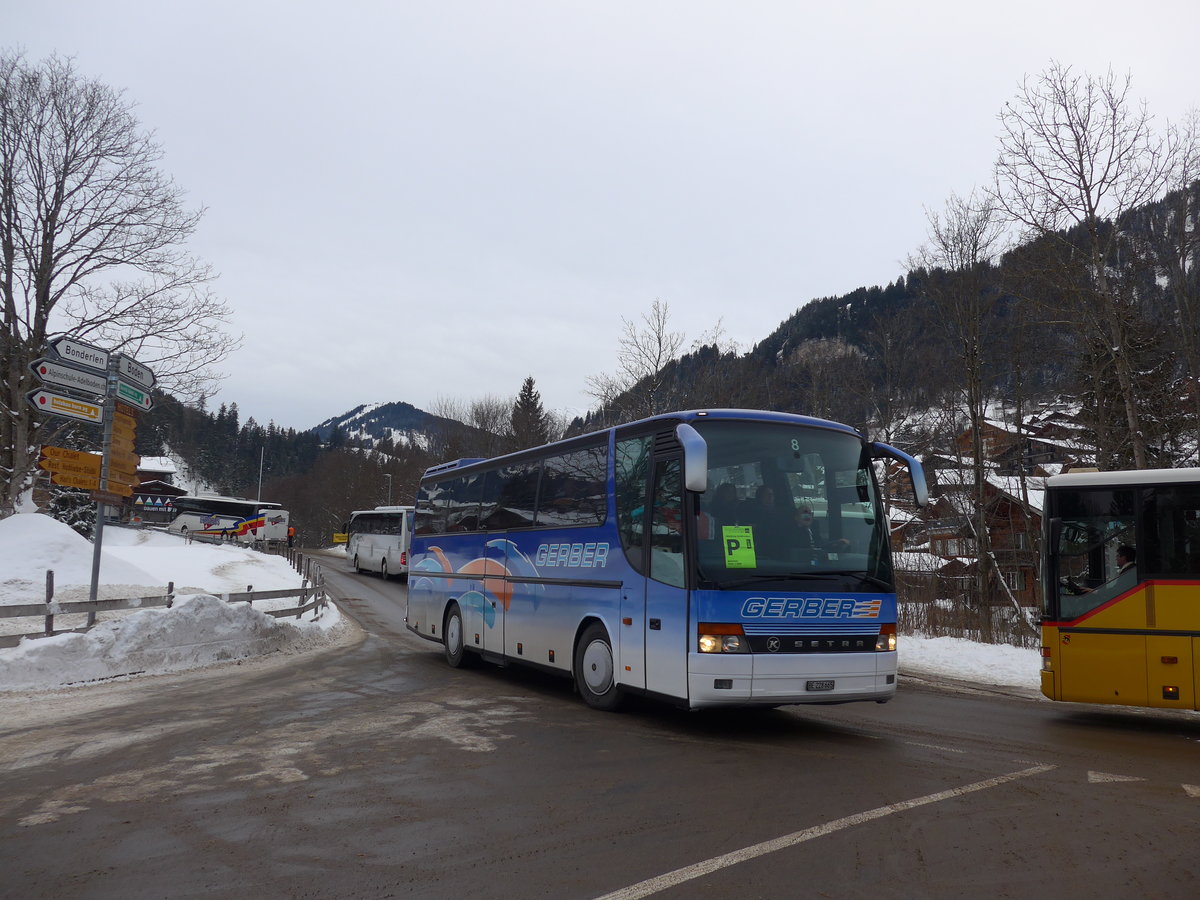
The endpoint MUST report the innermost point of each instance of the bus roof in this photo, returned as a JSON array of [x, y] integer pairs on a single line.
[[1119, 479], [382, 509], [691, 415], [198, 499]]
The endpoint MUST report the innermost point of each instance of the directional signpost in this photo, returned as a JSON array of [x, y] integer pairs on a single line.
[[51, 372], [110, 388], [66, 406], [134, 396], [81, 354]]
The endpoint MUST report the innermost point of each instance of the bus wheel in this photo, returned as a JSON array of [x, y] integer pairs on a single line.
[[357, 570], [454, 638], [594, 669], [383, 568]]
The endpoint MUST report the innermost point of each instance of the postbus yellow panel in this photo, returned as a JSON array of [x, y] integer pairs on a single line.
[[1102, 668]]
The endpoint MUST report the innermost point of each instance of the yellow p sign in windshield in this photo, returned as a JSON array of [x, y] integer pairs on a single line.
[[739, 546]]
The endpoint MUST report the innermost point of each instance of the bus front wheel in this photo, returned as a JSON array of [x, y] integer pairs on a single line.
[[595, 674], [454, 637], [357, 570]]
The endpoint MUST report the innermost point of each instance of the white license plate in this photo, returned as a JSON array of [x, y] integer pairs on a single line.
[[818, 685]]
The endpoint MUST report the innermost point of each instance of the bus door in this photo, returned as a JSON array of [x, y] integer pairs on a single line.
[[666, 620]]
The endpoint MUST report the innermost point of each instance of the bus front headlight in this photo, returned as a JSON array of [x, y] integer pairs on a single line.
[[721, 638], [887, 638]]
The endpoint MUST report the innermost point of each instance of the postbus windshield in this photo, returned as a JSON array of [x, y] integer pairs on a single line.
[[788, 503]]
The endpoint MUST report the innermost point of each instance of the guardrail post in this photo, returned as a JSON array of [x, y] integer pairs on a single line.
[[49, 600], [170, 594]]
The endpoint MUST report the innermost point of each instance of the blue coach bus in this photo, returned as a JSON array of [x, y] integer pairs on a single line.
[[708, 558]]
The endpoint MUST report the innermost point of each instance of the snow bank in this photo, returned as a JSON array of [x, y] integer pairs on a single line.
[[197, 631], [31, 543]]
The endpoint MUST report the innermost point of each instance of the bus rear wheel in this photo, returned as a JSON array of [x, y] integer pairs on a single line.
[[383, 569], [454, 637], [595, 672]]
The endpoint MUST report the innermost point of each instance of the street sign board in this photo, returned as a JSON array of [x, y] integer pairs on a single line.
[[62, 405], [51, 372], [125, 426], [130, 481], [85, 464], [111, 498], [71, 479], [119, 488], [51, 452], [134, 371], [122, 442], [81, 354], [134, 396], [124, 460]]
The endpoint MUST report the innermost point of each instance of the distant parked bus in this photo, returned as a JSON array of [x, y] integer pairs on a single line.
[[377, 540], [1122, 588], [708, 558], [232, 518]]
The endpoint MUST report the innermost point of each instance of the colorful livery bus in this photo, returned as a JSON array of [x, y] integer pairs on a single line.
[[1121, 585], [377, 540], [231, 518], [709, 558]]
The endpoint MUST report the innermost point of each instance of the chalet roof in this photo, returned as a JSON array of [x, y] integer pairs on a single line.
[[162, 464], [1009, 485]]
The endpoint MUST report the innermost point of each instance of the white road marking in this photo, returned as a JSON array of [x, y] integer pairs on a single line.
[[935, 747], [708, 866], [1192, 790], [1103, 777]]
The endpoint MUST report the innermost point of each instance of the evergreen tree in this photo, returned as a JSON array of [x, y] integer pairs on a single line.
[[530, 426]]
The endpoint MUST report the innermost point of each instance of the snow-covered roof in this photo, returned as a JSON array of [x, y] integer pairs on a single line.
[[161, 464]]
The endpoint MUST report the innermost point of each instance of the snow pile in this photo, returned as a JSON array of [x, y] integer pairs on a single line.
[[31, 543], [200, 629], [998, 665], [197, 631]]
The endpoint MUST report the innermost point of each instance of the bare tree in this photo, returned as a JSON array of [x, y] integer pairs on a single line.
[[91, 237], [964, 239], [1181, 259], [639, 387], [1075, 151], [475, 428]]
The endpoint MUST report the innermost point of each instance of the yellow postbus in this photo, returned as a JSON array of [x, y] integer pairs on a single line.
[[1121, 585]]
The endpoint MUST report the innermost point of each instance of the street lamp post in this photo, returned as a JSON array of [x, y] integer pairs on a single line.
[[389, 478]]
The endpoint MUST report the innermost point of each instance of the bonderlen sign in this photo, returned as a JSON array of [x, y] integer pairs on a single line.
[[73, 351]]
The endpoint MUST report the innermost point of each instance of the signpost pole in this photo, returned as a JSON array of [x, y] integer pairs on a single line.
[[110, 406]]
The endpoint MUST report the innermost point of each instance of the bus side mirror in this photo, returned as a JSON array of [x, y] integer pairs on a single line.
[[695, 458], [916, 472]]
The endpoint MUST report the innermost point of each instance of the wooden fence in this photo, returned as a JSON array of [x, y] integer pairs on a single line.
[[311, 594]]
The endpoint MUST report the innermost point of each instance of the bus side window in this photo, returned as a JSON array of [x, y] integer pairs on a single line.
[[666, 518], [630, 472]]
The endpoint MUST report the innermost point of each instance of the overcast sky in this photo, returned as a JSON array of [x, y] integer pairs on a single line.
[[411, 201]]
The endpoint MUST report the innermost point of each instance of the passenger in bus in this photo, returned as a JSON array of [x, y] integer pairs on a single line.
[[809, 538], [772, 525], [723, 506]]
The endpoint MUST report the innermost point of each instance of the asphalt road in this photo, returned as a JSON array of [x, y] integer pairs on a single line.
[[371, 769]]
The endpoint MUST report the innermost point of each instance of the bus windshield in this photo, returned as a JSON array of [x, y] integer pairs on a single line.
[[787, 503]]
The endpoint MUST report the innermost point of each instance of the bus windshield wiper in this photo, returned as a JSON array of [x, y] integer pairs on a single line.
[[872, 580], [783, 576]]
